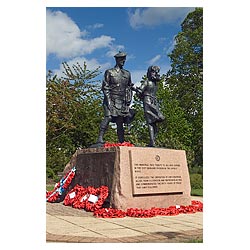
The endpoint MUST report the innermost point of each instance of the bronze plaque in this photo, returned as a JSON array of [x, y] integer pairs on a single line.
[[157, 172], [95, 169]]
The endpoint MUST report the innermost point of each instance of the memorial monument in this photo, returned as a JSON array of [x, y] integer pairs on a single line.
[[137, 177]]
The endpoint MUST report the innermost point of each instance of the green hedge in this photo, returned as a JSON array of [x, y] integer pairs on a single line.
[[196, 181]]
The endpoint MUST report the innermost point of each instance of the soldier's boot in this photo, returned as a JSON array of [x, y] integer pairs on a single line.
[[100, 136], [103, 127]]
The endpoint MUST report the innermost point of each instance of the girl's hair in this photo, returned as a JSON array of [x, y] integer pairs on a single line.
[[152, 68]]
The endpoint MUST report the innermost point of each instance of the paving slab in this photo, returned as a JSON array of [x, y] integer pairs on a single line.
[[132, 223], [67, 224], [154, 229], [120, 233]]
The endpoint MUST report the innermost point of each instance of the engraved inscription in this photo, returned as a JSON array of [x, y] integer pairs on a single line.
[[159, 175]]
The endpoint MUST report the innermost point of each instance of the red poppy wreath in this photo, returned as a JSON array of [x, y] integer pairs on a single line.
[[60, 188]]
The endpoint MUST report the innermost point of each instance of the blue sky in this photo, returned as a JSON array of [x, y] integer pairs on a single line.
[[95, 35]]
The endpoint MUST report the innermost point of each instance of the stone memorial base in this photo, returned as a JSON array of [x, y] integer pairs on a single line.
[[137, 177]]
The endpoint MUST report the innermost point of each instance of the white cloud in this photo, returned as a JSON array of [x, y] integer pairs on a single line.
[[114, 49], [95, 26], [65, 39], [155, 16], [170, 46], [154, 60]]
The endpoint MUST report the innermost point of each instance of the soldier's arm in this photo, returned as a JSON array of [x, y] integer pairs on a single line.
[[130, 84], [140, 90], [106, 87], [142, 87], [129, 79]]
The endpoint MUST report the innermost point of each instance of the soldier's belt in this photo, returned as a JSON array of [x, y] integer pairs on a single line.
[[116, 93]]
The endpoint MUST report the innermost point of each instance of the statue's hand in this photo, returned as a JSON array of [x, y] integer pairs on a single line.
[[133, 88], [138, 93]]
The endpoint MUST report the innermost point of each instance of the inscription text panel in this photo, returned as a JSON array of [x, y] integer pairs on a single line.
[[156, 173]]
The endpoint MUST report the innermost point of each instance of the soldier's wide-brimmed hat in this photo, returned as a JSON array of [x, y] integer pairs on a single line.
[[120, 54]]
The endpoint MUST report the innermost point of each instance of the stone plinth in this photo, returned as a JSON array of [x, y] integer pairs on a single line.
[[139, 177]]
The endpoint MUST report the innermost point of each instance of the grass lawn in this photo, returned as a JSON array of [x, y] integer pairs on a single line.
[[49, 187], [195, 241], [197, 192]]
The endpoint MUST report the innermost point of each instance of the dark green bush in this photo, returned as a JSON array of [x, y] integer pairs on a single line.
[[196, 181], [50, 174], [196, 170]]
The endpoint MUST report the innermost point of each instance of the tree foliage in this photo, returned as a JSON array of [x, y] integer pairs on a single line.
[[185, 78], [73, 114]]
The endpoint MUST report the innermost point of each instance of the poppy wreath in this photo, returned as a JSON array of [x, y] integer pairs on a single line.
[[172, 210], [101, 193], [80, 200], [80, 197], [73, 195], [112, 144], [56, 194], [142, 213], [196, 206], [109, 213], [154, 211]]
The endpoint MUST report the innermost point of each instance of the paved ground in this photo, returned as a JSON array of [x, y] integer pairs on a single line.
[[67, 224]]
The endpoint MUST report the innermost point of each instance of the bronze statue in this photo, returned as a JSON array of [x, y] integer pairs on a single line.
[[117, 91], [147, 92]]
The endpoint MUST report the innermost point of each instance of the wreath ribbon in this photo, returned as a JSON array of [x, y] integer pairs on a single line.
[[61, 186]]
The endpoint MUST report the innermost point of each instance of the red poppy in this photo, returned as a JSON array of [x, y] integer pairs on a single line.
[[109, 213], [112, 144]]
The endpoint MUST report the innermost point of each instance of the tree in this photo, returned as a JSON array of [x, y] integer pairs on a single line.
[[185, 78], [174, 132], [73, 114]]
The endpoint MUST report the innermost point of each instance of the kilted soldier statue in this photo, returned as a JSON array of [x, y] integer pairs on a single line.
[[117, 92]]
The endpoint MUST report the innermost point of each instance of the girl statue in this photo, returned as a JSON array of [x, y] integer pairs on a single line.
[[147, 93]]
